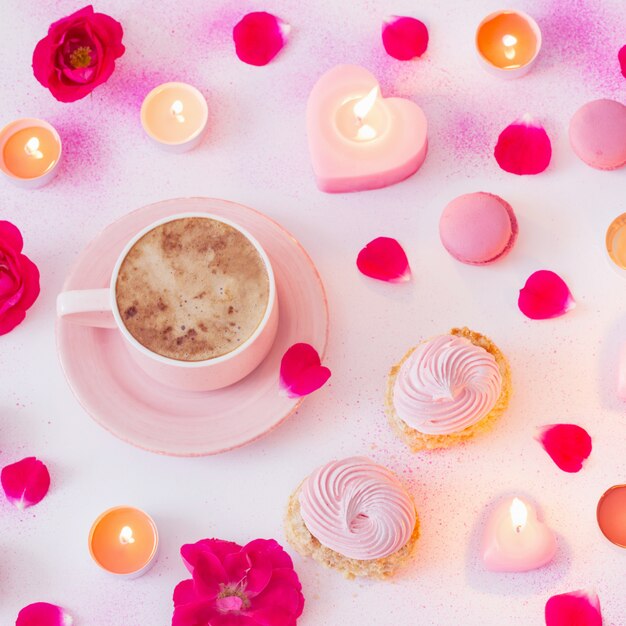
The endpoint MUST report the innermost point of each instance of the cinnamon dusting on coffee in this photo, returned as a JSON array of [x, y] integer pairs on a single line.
[[192, 289]]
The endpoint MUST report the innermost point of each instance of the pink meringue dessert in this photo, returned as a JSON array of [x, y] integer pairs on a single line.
[[447, 389], [354, 516]]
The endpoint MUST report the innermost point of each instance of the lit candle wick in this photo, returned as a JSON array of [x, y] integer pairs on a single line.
[[361, 108], [126, 535], [32, 148], [177, 109], [519, 514], [509, 42]]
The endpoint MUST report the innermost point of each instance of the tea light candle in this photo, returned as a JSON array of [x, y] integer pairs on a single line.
[[611, 515], [359, 139], [175, 116], [615, 242], [30, 151], [515, 540], [124, 541], [508, 43]]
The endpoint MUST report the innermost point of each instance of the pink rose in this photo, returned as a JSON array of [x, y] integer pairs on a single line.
[[78, 54], [253, 585], [19, 279]]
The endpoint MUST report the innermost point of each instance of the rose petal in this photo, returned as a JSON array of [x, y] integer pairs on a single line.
[[545, 295], [259, 37], [523, 148], [43, 614], [184, 592], [195, 613], [577, 608], [26, 482], [301, 372], [190, 552], [567, 444], [621, 57], [10, 237], [12, 318], [30, 279], [404, 38], [384, 259], [208, 575]]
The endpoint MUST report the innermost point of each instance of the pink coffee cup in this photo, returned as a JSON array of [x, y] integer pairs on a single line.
[[98, 308]]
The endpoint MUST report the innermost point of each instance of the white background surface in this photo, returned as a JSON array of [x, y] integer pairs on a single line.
[[255, 153]]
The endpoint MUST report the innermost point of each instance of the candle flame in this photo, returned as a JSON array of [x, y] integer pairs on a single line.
[[363, 106], [126, 535], [509, 42], [177, 110], [32, 148], [519, 514]]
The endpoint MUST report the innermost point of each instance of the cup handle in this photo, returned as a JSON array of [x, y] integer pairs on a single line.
[[87, 307]]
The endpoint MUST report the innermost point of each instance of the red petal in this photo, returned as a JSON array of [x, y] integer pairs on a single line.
[[301, 372], [26, 482], [523, 148], [43, 614], [621, 56], [404, 38], [12, 318], [577, 608], [184, 592], [259, 37], [545, 295], [567, 444], [10, 237], [384, 259], [191, 552]]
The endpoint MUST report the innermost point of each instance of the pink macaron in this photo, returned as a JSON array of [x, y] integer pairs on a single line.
[[597, 133], [478, 228]]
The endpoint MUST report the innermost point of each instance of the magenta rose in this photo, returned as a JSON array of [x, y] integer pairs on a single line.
[[78, 54], [19, 279], [253, 585]]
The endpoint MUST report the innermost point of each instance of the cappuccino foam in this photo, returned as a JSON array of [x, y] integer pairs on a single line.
[[192, 289]]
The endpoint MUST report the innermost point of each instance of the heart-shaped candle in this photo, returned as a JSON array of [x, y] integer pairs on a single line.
[[515, 540], [359, 140]]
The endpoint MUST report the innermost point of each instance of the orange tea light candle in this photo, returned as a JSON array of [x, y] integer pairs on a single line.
[[175, 116], [124, 541], [508, 43], [30, 151], [615, 243], [611, 515]]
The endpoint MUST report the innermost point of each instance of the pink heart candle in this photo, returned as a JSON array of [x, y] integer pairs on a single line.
[[359, 140], [515, 540]]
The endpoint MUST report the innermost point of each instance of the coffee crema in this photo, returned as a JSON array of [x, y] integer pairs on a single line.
[[192, 289]]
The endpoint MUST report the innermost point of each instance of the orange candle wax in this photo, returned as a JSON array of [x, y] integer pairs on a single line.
[[30, 150], [508, 40], [123, 541]]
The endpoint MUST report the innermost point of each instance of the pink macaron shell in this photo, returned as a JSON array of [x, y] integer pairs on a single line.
[[478, 228], [597, 133]]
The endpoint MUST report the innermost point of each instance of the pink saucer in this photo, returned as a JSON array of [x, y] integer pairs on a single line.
[[126, 402]]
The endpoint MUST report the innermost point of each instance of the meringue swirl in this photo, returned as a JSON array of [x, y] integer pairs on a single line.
[[446, 385], [357, 508]]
